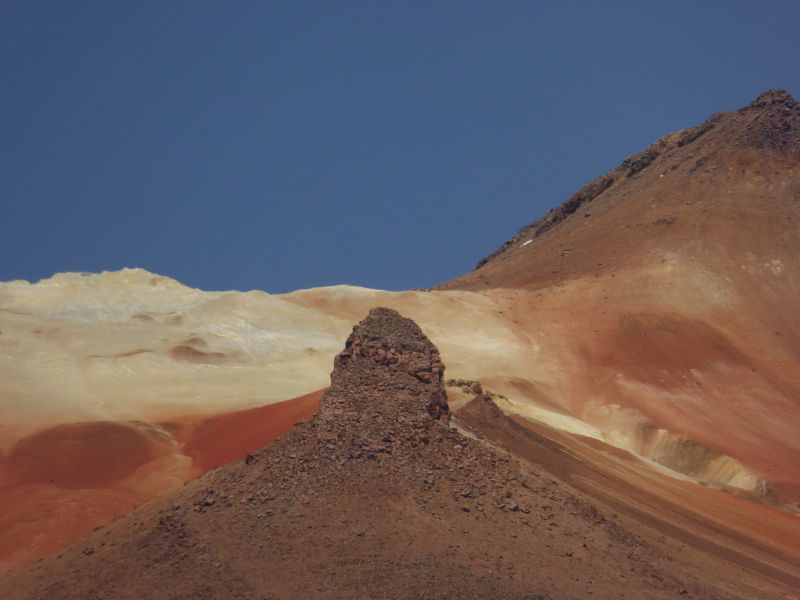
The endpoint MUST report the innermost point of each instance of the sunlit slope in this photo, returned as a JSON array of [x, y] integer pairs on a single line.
[[116, 388], [669, 291], [132, 346]]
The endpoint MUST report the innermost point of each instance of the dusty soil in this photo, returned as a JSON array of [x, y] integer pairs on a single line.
[[377, 496]]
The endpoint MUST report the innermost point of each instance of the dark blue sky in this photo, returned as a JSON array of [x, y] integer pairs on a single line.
[[275, 145]]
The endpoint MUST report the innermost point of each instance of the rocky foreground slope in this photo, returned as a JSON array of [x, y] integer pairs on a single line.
[[379, 496]]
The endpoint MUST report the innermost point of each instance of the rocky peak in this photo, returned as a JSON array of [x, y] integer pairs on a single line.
[[386, 329], [389, 375], [774, 123], [772, 98]]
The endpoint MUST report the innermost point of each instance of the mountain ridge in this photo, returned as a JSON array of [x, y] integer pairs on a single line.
[[774, 124]]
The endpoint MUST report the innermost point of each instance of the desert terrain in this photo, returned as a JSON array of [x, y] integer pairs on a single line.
[[636, 350], [380, 495]]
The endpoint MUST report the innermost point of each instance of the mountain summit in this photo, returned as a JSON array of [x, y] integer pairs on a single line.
[[774, 124], [762, 138]]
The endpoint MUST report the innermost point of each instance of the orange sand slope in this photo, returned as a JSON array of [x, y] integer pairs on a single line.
[[58, 484], [219, 439]]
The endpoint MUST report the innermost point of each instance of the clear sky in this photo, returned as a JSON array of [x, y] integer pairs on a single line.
[[281, 145]]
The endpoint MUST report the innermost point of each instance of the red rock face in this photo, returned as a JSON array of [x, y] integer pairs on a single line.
[[213, 441], [83, 455]]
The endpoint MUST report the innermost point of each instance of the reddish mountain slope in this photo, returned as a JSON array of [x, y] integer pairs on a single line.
[[59, 484], [668, 290]]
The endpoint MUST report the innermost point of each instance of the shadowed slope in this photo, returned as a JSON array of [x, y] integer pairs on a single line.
[[754, 536]]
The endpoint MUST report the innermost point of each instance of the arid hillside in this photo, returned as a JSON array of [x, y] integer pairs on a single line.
[[117, 387], [667, 290], [377, 496], [639, 344]]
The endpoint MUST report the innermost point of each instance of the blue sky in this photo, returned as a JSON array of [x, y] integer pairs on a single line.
[[282, 145]]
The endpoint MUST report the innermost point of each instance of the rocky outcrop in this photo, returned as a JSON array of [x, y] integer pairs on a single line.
[[387, 390], [388, 353], [775, 123]]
